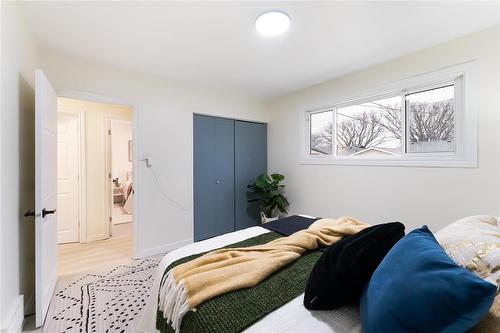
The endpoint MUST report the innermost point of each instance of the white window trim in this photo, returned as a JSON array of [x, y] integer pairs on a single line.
[[466, 123]]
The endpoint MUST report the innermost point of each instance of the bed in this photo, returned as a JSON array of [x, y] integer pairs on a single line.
[[465, 246], [128, 193], [128, 196], [290, 317]]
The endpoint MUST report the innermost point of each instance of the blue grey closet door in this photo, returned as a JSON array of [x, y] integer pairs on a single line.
[[250, 160], [213, 176]]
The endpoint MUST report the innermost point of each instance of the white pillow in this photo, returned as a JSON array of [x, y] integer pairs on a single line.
[[474, 243]]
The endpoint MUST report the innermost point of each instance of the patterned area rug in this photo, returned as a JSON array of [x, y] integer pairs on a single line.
[[107, 302]]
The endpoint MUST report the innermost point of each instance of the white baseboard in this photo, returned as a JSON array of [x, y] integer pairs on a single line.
[[97, 237], [15, 317], [123, 222], [163, 248]]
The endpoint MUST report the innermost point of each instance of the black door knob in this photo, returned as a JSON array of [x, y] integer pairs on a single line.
[[46, 212], [29, 213]]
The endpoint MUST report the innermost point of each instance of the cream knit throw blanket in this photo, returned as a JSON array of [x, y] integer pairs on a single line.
[[186, 286]]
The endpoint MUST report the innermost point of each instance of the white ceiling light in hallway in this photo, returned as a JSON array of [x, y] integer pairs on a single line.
[[272, 23]]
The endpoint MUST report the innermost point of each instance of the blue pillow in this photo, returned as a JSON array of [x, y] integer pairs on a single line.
[[418, 288]]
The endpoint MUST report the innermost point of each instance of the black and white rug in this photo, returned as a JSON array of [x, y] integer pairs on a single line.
[[107, 302]]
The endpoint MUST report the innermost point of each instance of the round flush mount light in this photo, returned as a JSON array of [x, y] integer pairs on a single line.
[[272, 23]]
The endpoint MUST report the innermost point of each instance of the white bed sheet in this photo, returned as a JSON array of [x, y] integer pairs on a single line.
[[291, 317]]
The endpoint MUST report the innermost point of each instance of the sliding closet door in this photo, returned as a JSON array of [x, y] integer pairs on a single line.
[[213, 176], [250, 161]]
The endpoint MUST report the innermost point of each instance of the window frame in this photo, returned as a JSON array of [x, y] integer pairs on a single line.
[[465, 113]]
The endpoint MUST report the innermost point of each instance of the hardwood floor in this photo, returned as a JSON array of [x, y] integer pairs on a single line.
[[96, 256], [75, 258], [119, 215]]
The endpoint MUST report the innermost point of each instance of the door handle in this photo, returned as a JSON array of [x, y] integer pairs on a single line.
[[217, 181], [46, 212], [29, 213]]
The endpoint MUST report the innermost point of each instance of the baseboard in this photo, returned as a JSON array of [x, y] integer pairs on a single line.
[[163, 248], [118, 223], [15, 317], [96, 238]]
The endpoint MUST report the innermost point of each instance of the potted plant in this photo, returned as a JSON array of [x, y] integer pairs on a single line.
[[271, 200]]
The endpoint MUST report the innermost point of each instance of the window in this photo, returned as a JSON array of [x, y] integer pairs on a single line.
[[370, 128], [408, 126], [431, 120], [321, 133]]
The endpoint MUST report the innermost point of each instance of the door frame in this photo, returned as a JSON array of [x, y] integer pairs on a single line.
[[89, 96], [108, 119], [82, 158]]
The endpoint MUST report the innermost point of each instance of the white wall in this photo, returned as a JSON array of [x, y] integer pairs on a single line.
[[120, 162], [164, 120], [19, 59], [164, 129], [97, 196], [414, 196]]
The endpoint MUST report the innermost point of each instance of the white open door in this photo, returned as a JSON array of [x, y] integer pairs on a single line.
[[45, 194]]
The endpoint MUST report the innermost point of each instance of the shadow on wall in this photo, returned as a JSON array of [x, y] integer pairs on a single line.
[[27, 193]]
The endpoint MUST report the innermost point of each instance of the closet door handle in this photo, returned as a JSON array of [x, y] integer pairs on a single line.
[[217, 181]]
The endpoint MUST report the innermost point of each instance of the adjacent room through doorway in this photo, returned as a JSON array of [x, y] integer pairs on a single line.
[[95, 190], [120, 132]]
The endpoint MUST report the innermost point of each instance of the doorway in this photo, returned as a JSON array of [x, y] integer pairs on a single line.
[[94, 185], [120, 146]]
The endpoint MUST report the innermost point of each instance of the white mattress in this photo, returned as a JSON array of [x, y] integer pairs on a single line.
[[291, 317]]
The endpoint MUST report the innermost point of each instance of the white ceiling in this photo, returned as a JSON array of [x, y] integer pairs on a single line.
[[215, 43]]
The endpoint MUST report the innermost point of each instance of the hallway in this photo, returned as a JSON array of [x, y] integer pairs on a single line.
[[76, 258]]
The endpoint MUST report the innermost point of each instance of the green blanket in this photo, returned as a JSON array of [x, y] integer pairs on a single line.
[[237, 310]]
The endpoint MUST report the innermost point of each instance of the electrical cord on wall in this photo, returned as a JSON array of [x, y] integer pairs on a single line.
[[164, 192]]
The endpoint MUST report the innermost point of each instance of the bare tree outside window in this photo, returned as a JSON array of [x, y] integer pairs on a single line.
[[362, 128], [431, 118], [321, 124], [375, 128], [359, 131]]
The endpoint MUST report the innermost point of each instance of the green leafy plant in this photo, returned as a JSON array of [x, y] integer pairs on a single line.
[[269, 190]]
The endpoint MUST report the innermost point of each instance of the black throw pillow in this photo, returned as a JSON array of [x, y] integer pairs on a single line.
[[342, 272]]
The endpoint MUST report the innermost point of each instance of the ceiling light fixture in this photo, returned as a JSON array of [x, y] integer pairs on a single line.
[[272, 23]]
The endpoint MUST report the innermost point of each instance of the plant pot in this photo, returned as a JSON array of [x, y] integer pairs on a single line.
[[265, 219]]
